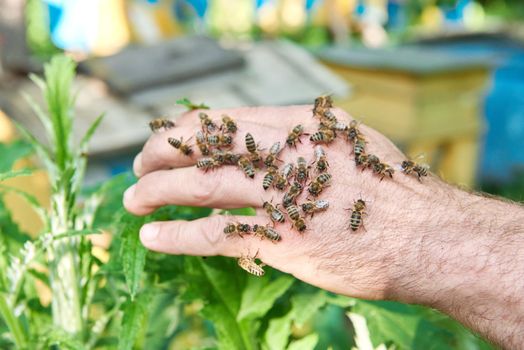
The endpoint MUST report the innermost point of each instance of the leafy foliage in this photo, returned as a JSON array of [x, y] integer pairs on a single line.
[[190, 105]]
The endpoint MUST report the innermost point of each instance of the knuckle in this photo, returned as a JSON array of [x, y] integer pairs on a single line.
[[207, 186], [211, 231]]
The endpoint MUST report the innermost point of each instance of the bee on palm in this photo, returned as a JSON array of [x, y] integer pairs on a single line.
[[379, 168], [319, 184], [183, 147], [298, 222], [220, 140], [282, 178], [354, 132], [320, 159], [254, 152], [208, 125], [324, 135], [269, 178], [228, 124], [207, 164], [273, 212], [302, 173], [266, 232], [201, 142], [294, 136], [272, 156], [312, 207], [357, 213], [290, 196], [244, 163]]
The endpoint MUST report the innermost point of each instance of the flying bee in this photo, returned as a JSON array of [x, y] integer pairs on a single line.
[[274, 213], [311, 207], [302, 173], [269, 178], [321, 159], [247, 167], [238, 228], [207, 164], [181, 146], [249, 264], [323, 136], [410, 167], [292, 212], [229, 124], [290, 197], [218, 140], [320, 182], [267, 232], [272, 156], [201, 142], [207, 124], [354, 131], [294, 136], [357, 212], [254, 152], [161, 123], [359, 146]]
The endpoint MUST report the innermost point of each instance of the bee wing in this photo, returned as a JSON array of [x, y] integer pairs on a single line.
[[419, 157]]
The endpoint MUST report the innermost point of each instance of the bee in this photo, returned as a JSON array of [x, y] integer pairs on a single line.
[[290, 197], [292, 212], [353, 131], [282, 179], [321, 104], [249, 264], [371, 161], [311, 207], [356, 215], [220, 140], [294, 136], [267, 232], [410, 167], [229, 124], [316, 187], [300, 224], [207, 164], [238, 228], [202, 143], [359, 146], [302, 173], [247, 167], [379, 168], [207, 124], [324, 135], [269, 178], [231, 158], [321, 159], [180, 145], [329, 119], [252, 147], [339, 126], [361, 159], [274, 213], [272, 156], [161, 123]]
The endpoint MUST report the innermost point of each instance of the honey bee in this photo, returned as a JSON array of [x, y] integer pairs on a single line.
[[238, 228], [161, 123], [379, 168], [207, 164], [353, 131], [180, 145], [290, 197], [329, 119], [282, 179], [231, 158], [220, 140], [321, 159], [247, 167], [269, 178], [361, 159], [229, 124], [267, 232], [323, 136], [410, 167], [294, 136], [320, 182], [292, 212], [311, 207], [321, 104], [202, 143], [356, 214], [302, 173], [249, 264], [272, 156], [359, 146], [274, 213], [300, 224], [207, 124], [339, 126], [252, 147]]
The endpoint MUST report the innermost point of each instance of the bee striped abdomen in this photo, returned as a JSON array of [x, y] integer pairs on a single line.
[[356, 220]]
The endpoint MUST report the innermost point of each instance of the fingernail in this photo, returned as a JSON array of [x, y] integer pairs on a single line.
[[137, 165], [129, 193], [149, 232]]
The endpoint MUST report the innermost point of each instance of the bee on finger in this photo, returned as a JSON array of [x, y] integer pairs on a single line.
[[201, 142], [379, 168], [318, 185], [329, 119], [312, 207], [294, 136], [158, 124], [357, 213], [274, 213], [282, 179], [302, 173], [253, 149], [290, 197], [267, 232], [272, 156], [249, 264], [299, 224], [220, 140], [410, 167], [245, 164], [354, 131], [321, 159], [207, 164], [361, 160], [292, 212], [237, 228], [207, 124], [269, 178], [181, 146], [229, 124], [324, 136], [359, 146]]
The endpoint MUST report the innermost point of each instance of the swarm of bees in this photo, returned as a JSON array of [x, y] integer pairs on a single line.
[[216, 140]]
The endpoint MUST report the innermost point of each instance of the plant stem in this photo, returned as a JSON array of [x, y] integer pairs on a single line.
[[14, 325]]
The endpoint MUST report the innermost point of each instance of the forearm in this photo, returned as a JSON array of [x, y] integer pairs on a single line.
[[469, 263]]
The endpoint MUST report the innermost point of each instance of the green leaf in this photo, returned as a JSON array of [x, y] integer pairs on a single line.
[[134, 316], [42, 116], [12, 152], [277, 334], [190, 105], [133, 253], [15, 173], [12, 322], [307, 343], [260, 294], [89, 133], [304, 306]]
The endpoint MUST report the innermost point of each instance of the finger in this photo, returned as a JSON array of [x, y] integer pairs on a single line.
[[225, 188]]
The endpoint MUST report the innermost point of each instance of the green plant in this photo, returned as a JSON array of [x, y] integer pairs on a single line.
[[132, 298]]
